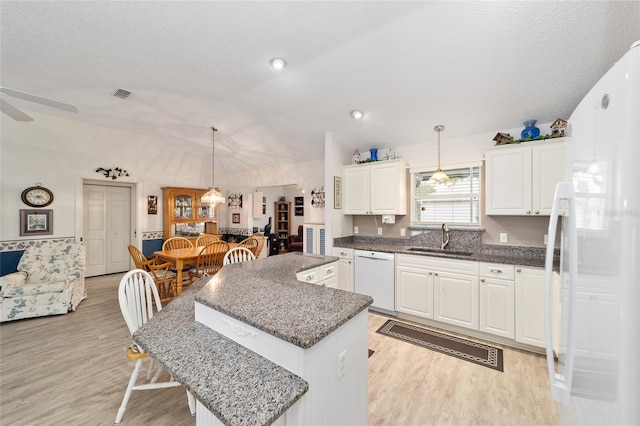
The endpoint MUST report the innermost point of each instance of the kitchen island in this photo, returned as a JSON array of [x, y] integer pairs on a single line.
[[254, 345]]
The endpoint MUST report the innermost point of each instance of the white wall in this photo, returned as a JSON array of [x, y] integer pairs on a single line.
[[60, 153]]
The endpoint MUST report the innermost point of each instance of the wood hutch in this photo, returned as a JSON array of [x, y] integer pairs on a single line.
[[183, 215], [282, 211]]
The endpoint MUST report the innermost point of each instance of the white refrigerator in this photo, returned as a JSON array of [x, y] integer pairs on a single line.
[[595, 372]]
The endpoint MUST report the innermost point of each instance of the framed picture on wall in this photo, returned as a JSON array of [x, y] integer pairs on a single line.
[[235, 217], [36, 222], [299, 201], [299, 211], [337, 192], [152, 204]]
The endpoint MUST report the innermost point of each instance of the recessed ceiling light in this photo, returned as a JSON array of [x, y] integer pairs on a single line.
[[358, 115], [278, 63]]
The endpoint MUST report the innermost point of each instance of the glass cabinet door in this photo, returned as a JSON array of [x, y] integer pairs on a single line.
[[206, 212], [183, 206]]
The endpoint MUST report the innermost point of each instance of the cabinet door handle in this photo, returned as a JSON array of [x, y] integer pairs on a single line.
[[528, 211], [431, 273], [496, 271], [309, 277], [537, 212], [329, 271], [435, 273], [481, 279], [343, 253], [518, 270]]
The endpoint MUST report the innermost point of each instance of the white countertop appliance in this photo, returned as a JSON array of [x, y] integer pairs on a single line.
[[375, 276], [598, 375]]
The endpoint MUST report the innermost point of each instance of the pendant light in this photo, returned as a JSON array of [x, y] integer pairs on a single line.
[[439, 176], [212, 197]]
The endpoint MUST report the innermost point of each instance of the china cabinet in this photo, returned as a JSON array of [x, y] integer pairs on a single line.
[[184, 215]]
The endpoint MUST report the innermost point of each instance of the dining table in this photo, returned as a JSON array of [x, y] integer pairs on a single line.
[[181, 257]]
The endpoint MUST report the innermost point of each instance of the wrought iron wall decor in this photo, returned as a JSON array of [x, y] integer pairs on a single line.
[[235, 201], [114, 173]]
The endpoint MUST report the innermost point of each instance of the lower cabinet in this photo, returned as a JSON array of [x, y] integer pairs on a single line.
[[444, 290], [456, 299], [414, 293], [345, 268], [529, 283], [497, 305]]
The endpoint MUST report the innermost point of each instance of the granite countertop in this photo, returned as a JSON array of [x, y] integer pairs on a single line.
[[305, 316], [237, 385], [522, 256]]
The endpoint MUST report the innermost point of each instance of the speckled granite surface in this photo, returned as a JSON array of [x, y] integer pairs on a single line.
[[237, 385], [490, 253], [298, 313]]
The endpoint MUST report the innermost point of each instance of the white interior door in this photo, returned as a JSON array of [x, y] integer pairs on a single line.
[[107, 228]]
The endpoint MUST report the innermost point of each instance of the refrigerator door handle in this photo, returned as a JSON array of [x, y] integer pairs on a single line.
[[561, 384]]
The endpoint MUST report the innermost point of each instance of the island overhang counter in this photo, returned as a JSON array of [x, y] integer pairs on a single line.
[[315, 333]]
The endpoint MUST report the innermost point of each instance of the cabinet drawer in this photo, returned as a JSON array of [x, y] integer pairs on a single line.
[[343, 253], [497, 270], [439, 264], [317, 274], [327, 271], [308, 276]]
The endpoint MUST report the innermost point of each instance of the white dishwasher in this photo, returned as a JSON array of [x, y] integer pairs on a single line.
[[375, 276]]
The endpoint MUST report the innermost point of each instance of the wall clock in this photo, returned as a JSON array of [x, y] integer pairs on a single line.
[[37, 196]]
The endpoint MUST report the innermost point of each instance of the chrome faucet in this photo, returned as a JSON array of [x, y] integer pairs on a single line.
[[445, 236]]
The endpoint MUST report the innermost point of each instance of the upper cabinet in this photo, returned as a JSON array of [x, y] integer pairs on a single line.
[[521, 179], [375, 188], [183, 214]]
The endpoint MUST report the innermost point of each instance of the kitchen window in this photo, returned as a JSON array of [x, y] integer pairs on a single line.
[[455, 202]]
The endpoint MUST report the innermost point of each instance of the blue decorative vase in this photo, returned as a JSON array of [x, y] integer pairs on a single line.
[[530, 130], [374, 154]]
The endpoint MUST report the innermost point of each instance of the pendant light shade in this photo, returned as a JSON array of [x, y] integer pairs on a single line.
[[212, 197], [439, 176]]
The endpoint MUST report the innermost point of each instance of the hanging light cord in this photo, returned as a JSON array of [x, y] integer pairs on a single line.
[[213, 157]]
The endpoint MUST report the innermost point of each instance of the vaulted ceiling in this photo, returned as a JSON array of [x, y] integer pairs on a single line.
[[474, 66]]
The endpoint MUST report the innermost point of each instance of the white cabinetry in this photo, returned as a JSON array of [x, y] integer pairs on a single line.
[[456, 299], [345, 268], [325, 275], [314, 238], [530, 306], [497, 311], [414, 286], [445, 290], [375, 188], [521, 179]]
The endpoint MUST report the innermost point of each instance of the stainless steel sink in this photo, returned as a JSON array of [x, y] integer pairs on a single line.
[[440, 251]]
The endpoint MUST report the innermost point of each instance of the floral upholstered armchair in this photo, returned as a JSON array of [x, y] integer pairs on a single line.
[[49, 281]]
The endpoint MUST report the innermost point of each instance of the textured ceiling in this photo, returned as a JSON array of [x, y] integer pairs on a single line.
[[474, 66]]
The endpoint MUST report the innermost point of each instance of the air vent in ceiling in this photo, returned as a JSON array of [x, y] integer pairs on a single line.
[[122, 94]]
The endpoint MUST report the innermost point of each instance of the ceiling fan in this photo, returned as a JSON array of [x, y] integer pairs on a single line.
[[18, 115]]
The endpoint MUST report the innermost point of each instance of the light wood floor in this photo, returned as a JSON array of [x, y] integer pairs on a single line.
[[72, 370]]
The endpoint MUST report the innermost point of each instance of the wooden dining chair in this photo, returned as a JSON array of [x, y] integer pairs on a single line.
[[180, 243], [176, 243], [261, 240], [205, 239], [163, 277], [237, 255], [210, 259], [137, 296], [250, 243]]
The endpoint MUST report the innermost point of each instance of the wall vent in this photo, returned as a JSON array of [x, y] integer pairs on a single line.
[[122, 94]]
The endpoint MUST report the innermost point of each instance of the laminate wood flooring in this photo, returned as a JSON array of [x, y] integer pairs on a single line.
[[72, 370]]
